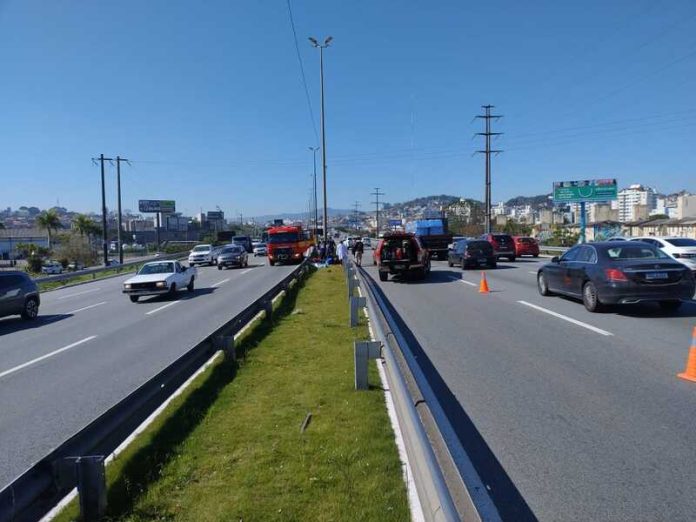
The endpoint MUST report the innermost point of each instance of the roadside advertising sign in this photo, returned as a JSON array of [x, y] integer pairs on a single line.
[[164, 206], [588, 190]]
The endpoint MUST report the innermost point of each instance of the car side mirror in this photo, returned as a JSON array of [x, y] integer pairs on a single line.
[[555, 259]]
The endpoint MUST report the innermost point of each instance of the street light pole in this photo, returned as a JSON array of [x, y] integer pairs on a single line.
[[316, 209], [321, 47]]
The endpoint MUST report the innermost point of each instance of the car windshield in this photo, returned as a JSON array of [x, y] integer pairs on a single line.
[[525, 240], [283, 237], [635, 252], [682, 242], [201, 248], [231, 250], [157, 268]]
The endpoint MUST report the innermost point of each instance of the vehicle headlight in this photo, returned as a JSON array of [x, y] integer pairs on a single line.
[[127, 286], [161, 284]]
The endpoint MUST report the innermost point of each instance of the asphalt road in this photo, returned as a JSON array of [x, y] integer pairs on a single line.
[[91, 347], [572, 416]]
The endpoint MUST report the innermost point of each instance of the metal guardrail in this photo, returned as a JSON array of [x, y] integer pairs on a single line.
[[554, 249], [442, 496], [31, 495], [94, 271]]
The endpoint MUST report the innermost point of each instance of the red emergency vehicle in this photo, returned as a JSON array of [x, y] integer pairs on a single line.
[[287, 244]]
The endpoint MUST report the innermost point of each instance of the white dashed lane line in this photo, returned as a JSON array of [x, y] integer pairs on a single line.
[[566, 318], [87, 307], [220, 282], [55, 352], [80, 293], [464, 281], [161, 308]]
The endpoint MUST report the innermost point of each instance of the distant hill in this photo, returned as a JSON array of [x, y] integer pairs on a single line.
[[430, 202], [293, 216], [542, 200]]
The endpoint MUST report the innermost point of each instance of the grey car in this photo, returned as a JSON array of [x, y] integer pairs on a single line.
[[19, 295], [232, 255]]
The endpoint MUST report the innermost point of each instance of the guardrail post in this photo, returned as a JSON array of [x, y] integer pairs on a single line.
[[91, 485], [356, 303], [352, 285], [268, 308], [363, 352], [226, 344]]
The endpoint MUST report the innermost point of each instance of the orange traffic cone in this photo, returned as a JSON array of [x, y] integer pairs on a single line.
[[690, 371], [483, 286]]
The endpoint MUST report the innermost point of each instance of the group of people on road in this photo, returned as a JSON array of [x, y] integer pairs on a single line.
[[328, 252]]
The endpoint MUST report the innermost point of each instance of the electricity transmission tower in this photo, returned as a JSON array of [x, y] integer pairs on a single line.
[[487, 117]]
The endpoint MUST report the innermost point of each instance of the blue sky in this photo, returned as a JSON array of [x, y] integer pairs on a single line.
[[207, 101]]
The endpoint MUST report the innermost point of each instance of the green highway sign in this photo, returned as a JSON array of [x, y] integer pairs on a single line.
[[165, 206], [589, 190]]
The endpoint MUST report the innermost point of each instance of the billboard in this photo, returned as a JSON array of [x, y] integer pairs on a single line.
[[588, 190], [394, 223], [215, 215], [165, 206]]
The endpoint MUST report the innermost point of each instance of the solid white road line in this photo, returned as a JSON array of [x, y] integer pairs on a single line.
[[161, 308], [463, 281], [87, 307], [566, 318], [245, 271], [221, 282], [55, 352], [531, 272], [80, 293]]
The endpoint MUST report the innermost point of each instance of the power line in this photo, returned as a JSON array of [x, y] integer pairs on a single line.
[[302, 73], [377, 202]]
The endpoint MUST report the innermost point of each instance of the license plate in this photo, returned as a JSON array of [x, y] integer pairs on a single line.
[[482, 261], [399, 267], [656, 275]]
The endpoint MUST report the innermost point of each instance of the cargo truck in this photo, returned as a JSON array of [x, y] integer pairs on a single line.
[[433, 234]]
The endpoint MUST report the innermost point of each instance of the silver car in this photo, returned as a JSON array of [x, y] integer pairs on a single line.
[[232, 255], [19, 295]]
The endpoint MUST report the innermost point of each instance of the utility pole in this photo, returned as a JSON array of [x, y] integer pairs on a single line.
[[321, 47], [316, 210], [377, 194], [105, 249], [487, 117], [356, 206], [119, 159]]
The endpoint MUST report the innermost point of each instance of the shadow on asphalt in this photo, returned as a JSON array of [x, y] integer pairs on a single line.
[[17, 324], [181, 295], [649, 309], [508, 500]]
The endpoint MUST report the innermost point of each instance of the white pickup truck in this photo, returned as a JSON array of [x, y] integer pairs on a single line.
[[160, 277], [201, 255]]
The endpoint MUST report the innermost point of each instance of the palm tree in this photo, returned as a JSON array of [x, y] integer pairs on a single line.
[[84, 224], [49, 221]]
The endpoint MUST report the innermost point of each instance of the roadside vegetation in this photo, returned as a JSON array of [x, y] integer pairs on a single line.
[[231, 447]]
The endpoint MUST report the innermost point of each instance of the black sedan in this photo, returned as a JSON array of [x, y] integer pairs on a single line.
[[617, 272], [472, 253]]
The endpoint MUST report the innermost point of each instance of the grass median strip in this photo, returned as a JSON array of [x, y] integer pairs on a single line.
[[233, 447]]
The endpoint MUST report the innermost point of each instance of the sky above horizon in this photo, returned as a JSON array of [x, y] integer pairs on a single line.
[[207, 101]]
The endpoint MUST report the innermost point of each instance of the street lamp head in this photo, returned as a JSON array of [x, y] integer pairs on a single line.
[[314, 41], [328, 40]]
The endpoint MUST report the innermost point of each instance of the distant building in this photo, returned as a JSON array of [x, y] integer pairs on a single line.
[[686, 207], [140, 225], [632, 197]]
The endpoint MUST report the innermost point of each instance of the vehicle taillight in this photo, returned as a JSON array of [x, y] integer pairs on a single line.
[[614, 275]]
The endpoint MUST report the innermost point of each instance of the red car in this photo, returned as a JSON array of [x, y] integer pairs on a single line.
[[503, 245], [526, 246], [401, 253]]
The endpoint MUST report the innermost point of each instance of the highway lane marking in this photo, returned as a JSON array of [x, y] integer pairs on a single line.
[[566, 318], [530, 272], [245, 271], [55, 352], [463, 281], [87, 307], [79, 293], [221, 282], [161, 308]]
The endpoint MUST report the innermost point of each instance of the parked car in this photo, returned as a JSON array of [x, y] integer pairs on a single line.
[[260, 249], [683, 249], [245, 241], [472, 253], [160, 277], [113, 262], [75, 266], [232, 255], [526, 246], [401, 253], [19, 295], [201, 255], [51, 267], [617, 272], [503, 244]]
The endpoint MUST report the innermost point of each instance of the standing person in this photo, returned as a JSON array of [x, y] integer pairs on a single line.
[[341, 252], [358, 249], [322, 251]]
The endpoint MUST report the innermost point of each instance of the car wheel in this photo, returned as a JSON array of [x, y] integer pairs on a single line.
[[134, 298], [31, 309], [512, 258], [383, 276], [271, 262], [190, 286], [172, 290], [542, 284], [219, 267], [493, 265], [670, 306], [449, 263], [590, 298], [536, 255]]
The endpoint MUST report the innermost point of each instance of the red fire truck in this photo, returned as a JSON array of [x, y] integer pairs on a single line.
[[287, 244]]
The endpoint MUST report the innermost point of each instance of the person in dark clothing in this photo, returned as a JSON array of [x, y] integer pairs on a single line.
[[358, 249]]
